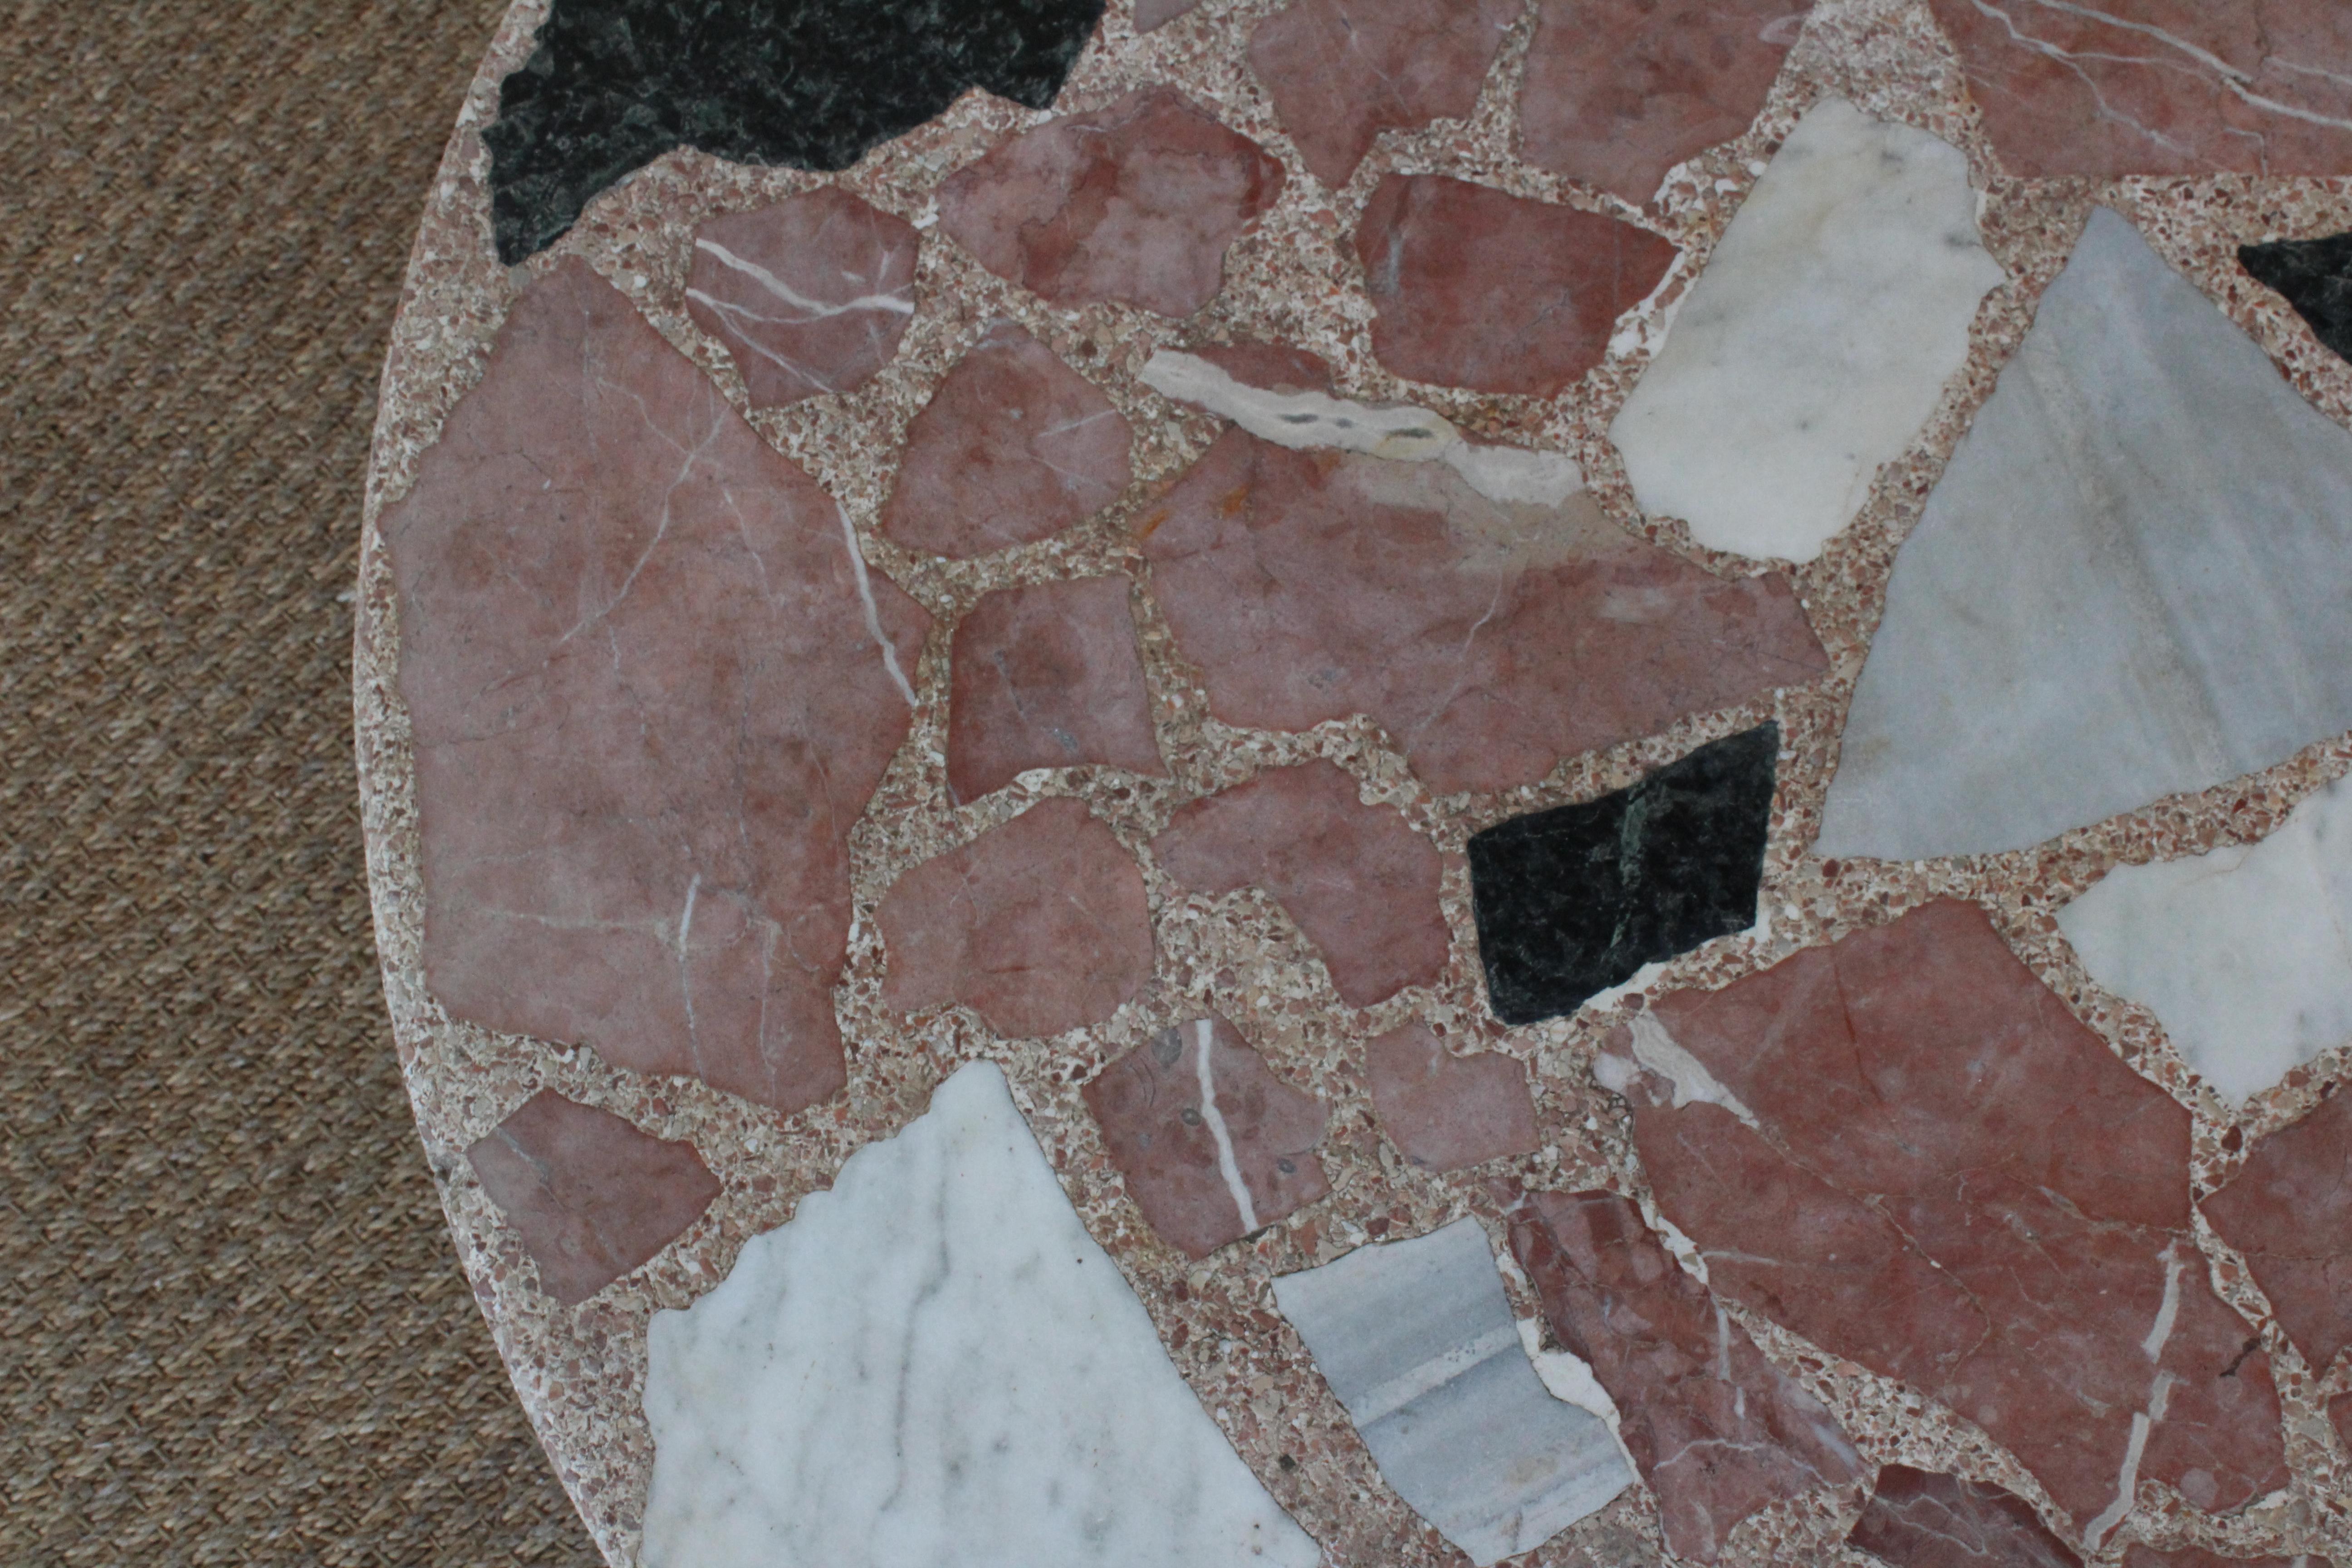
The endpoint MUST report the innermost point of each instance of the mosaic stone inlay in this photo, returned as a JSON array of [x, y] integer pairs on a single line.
[[1387, 783]]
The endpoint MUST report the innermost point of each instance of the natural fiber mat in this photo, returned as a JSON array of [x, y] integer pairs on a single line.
[[232, 1328]]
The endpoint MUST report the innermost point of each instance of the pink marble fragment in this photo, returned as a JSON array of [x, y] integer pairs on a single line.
[[1013, 447], [1617, 92], [2111, 87], [1491, 639], [1922, 1519], [1153, 14], [1134, 204], [1359, 880], [2289, 1212], [1039, 926], [1445, 1112], [2140, 1556], [1274, 367], [648, 704], [1480, 288], [1162, 1107], [1047, 676], [1911, 1152], [809, 296], [1341, 71], [591, 1195], [1718, 1431]]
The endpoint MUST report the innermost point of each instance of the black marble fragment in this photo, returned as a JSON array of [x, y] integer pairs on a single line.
[[614, 84], [2315, 276], [1574, 899]]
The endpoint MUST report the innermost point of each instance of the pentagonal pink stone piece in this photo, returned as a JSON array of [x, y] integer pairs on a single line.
[[1176, 1108], [1491, 639], [1909, 1152], [2289, 1211], [2111, 87], [1619, 91], [1445, 1112], [1013, 447], [1922, 1519], [810, 295], [1718, 1431], [648, 703], [1047, 676], [1341, 71], [1039, 926], [591, 1195], [1480, 288], [1134, 204], [1359, 880]]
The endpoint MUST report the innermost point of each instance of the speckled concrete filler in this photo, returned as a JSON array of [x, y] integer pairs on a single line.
[[736, 769]]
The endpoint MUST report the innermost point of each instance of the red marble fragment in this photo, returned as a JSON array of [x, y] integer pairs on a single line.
[[1922, 1519], [591, 1195], [1341, 71], [1617, 92], [2111, 87], [1191, 1112], [1047, 677], [810, 295], [2140, 1556], [1490, 638], [1134, 203], [1039, 926], [1013, 447], [1480, 288], [1275, 367], [1903, 1147], [1446, 1112], [2289, 1211], [1359, 880], [1153, 14], [648, 704]]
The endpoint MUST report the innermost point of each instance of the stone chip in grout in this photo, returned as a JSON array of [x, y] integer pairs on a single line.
[[1922, 1519], [2288, 1211], [1047, 676], [1446, 1112]]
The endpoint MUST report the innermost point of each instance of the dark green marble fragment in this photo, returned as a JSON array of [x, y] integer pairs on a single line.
[[2315, 276], [1573, 901], [614, 84]]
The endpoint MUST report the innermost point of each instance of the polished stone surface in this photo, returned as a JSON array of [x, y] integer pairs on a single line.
[[1489, 638], [2289, 1212], [1047, 676], [1359, 880], [2243, 953], [1416, 1340], [591, 1198], [614, 84], [1039, 926], [1447, 1113], [1213, 1144], [1015, 447], [810, 295], [985, 1390], [1480, 288], [617, 601], [1573, 901], [2127, 584], [1134, 203], [1816, 342], [1905, 1148], [2316, 276], [2138, 1555], [1718, 1431], [1919, 1518]]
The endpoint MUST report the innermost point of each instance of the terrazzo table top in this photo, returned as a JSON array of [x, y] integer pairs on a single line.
[[1387, 782]]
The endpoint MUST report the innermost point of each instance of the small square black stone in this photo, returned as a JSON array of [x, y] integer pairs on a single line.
[[2315, 276], [1573, 901]]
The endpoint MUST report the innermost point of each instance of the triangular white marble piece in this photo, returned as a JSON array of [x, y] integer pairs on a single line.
[[2244, 954], [1816, 342], [2135, 579], [933, 1365]]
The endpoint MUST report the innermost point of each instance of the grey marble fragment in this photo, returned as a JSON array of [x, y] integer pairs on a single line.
[[1417, 1340], [2131, 582]]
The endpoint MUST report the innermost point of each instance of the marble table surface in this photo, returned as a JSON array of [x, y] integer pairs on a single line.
[[1387, 782]]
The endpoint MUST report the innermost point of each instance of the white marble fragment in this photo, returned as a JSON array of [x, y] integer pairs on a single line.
[[1305, 421], [1817, 341], [934, 1366], [2131, 581], [1417, 1340], [2244, 954]]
